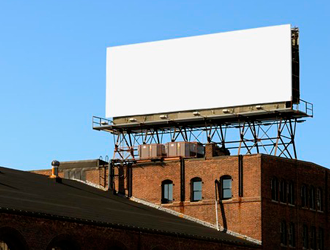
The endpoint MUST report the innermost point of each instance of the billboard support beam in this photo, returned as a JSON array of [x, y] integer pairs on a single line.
[[275, 137]]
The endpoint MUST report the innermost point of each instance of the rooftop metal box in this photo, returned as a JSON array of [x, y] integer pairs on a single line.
[[149, 151], [184, 149]]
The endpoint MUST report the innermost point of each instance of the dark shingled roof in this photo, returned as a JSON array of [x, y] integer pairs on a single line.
[[29, 193]]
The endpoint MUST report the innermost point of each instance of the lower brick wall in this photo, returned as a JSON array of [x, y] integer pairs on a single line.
[[40, 233]]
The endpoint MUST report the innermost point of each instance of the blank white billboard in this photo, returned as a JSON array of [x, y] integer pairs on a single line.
[[201, 72]]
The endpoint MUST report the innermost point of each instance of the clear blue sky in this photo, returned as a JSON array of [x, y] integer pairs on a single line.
[[52, 66]]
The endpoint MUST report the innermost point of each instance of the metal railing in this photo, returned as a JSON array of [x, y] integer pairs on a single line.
[[305, 107], [100, 122]]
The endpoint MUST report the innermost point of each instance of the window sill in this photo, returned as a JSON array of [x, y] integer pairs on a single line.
[[199, 201], [165, 203], [226, 200]]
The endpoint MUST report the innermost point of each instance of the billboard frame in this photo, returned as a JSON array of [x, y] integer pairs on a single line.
[[295, 87]]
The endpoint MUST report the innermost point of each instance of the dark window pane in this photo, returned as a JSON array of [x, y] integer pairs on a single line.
[[170, 192], [292, 235], [321, 239], [319, 199], [304, 196], [305, 236], [197, 185], [312, 198], [313, 238], [274, 187], [196, 189], [283, 233], [226, 183], [291, 193], [167, 191], [283, 191], [227, 193], [197, 196]]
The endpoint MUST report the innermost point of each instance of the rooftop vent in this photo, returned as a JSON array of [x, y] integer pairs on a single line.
[[55, 165]]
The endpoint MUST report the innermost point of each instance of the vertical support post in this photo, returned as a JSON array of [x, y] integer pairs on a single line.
[[278, 135], [158, 141], [241, 138], [208, 134], [292, 133], [222, 137], [255, 136]]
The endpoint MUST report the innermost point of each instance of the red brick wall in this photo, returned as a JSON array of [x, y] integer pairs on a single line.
[[245, 215], [242, 214], [274, 212], [38, 233]]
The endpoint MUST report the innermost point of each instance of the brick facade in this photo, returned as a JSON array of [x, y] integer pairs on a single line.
[[33, 233], [241, 214], [275, 212], [251, 211]]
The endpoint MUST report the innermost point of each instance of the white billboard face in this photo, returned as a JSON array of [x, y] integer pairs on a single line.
[[202, 72]]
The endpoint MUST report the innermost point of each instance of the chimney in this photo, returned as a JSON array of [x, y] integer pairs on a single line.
[[55, 165]]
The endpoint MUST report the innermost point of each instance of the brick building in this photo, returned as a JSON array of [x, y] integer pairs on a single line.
[[37, 212], [280, 203]]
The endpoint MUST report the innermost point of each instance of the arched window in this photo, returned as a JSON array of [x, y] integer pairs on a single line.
[[11, 239], [63, 242], [312, 198], [291, 193], [274, 187], [196, 189], [319, 199], [292, 236], [167, 191], [283, 233], [226, 184], [304, 196], [115, 245], [283, 191]]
